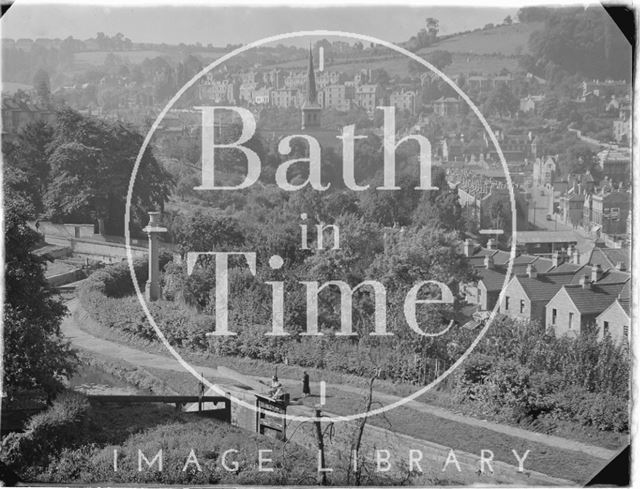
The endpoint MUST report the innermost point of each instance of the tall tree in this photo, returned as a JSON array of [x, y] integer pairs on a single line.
[[36, 356], [91, 167]]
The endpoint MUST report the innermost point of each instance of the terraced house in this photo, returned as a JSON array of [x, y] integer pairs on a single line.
[[557, 293]]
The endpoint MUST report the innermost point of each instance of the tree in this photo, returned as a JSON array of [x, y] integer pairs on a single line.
[[433, 26], [36, 356], [202, 232], [42, 85], [29, 155], [439, 58], [507, 20], [90, 171], [501, 101], [443, 211]]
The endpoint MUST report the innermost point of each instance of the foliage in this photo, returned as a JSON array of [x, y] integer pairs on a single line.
[[46, 434], [35, 354], [519, 372], [202, 232], [90, 168], [580, 40]]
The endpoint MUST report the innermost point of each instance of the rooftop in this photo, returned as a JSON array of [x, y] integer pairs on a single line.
[[595, 299], [528, 237]]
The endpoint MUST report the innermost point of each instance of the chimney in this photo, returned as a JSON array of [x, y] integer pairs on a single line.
[[531, 271], [490, 244], [468, 247], [585, 283], [555, 259], [620, 266], [576, 257], [488, 262], [596, 272]]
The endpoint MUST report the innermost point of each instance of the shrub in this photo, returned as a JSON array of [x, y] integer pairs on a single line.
[[47, 433]]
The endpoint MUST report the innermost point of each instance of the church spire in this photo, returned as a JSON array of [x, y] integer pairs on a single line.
[[311, 109], [312, 95]]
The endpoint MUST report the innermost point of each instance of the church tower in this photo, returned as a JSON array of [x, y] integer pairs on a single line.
[[310, 107]]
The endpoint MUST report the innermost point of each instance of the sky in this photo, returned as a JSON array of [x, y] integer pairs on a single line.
[[221, 25]]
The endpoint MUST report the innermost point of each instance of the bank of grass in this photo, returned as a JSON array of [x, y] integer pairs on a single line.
[[438, 396], [150, 428]]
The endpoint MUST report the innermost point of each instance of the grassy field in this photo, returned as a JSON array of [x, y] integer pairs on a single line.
[[505, 39], [482, 51]]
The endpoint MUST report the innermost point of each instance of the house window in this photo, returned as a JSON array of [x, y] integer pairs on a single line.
[[554, 315], [605, 328], [570, 320], [506, 303], [625, 330], [521, 306]]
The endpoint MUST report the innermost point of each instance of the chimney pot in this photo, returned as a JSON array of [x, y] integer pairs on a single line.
[[488, 262], [576, 257], [585, 283], [468, 247]]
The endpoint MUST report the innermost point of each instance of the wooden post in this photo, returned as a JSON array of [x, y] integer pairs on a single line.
[[322, 476]]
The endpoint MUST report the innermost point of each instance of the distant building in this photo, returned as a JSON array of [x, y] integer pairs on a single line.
[[571, 207], [218, 91], [338, 97], [447, 106], [615, 164], [285, 98], [544, 171], [530, 103], [603, 88], [545, 242], [16, 114], [404, 100], [479, 197], [607, 211], [368, 97]]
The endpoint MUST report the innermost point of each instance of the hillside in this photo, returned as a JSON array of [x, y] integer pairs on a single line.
[[505, 40], [486, 51]]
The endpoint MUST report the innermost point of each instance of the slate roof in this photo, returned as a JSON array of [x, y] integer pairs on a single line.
[[595, 299], [614, 277], [492, 279], [566, 268], [609, 257], [539, 289]]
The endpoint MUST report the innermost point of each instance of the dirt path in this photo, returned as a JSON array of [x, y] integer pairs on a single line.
[[232, 380]]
